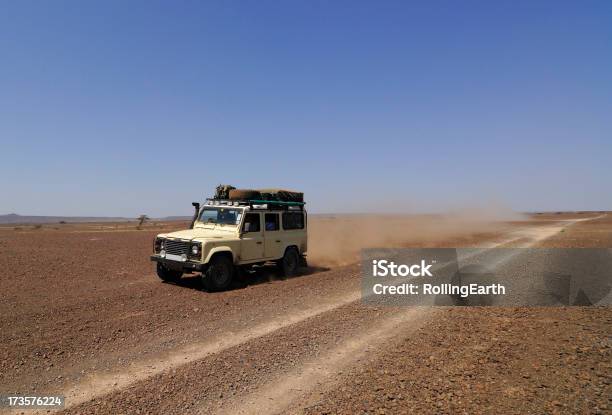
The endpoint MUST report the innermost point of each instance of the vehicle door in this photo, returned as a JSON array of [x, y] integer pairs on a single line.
[[273, 246], [252, 239]]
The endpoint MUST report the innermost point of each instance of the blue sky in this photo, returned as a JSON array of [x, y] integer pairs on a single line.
[[125, 107]]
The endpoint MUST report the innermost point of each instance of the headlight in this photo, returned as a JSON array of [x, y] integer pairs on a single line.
[[195, 249], [162, 253]]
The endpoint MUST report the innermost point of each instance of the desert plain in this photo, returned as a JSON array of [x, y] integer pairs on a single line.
[[83, 314]]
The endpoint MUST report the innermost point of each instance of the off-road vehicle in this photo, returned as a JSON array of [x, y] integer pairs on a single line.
[[234, 230]]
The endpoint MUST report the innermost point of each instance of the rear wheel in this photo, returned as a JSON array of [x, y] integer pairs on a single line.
[[219, 274], [167, 274], [290, 263]]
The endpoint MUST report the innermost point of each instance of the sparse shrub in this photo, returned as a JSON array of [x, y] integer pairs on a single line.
[[141, 220], [62, 222], [17, 228], [37, 226]]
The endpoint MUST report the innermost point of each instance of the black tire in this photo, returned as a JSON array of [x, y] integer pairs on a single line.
[[242, 194], [290, 263], [168, 275], [219, 274]]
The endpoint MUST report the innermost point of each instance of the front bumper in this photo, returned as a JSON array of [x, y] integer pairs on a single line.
[[178, 265]]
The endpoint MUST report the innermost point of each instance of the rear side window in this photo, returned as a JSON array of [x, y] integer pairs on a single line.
[[293, 220], [271, 221]]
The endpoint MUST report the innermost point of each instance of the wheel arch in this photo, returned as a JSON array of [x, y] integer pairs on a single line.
[[220, 251], [291, 246]]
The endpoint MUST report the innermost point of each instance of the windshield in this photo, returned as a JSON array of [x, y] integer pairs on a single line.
[[220, 215]]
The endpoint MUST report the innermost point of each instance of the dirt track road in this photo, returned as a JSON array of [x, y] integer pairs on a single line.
[[87, 317]]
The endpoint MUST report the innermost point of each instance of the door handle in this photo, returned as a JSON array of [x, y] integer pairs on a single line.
[[278, 240], [258, 242]]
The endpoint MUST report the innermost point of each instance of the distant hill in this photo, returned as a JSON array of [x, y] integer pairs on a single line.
[[16, 219], [19, 219]]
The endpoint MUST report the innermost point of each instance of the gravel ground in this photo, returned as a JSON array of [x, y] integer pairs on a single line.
[[486, 360], [86, 315]]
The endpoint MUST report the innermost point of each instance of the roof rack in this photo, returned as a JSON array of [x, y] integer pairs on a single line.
[[257, 204]]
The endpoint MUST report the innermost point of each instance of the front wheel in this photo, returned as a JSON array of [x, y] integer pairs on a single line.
[[290, 263], [219, 274], [166, 274]]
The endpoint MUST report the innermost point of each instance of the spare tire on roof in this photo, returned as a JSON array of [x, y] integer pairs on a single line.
[[244, 194]]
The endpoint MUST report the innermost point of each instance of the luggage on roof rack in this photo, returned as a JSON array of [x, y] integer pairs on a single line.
[[272, 195], [281, 195], [272, 198], [223, 191], [244, 194]]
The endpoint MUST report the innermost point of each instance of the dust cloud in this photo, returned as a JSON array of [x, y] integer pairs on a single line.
[[338, 239]]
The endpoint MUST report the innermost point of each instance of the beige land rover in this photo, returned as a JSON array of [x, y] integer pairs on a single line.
[[233, 233]]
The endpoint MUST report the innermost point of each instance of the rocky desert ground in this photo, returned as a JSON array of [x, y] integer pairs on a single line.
[[83, 314]]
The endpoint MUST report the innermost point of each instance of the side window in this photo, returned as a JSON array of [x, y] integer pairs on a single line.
[[293, 220], [251, 222], [271, 221]]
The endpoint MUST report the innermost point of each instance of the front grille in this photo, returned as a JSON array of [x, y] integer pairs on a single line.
[[176, 247]]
